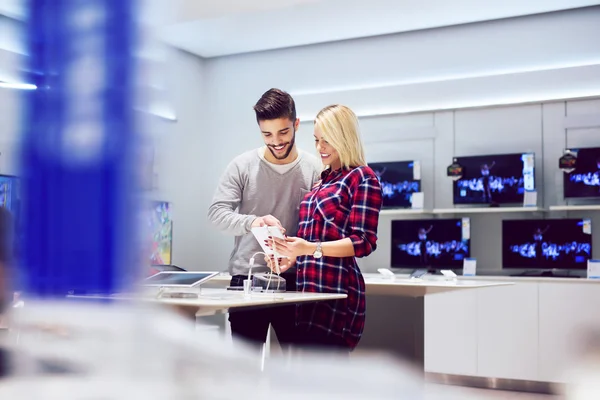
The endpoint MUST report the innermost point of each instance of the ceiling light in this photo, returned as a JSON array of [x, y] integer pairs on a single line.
[[21, 86]]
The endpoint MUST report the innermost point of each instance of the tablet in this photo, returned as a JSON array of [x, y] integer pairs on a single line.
[[187, 279], [262, 233]]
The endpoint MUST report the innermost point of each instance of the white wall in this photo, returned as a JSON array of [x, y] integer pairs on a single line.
[[181, 157], [509, 61]]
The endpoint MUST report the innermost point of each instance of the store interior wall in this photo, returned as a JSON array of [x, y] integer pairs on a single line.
[[369, 74]]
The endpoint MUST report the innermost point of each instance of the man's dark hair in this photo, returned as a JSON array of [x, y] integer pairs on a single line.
[[275, 104]]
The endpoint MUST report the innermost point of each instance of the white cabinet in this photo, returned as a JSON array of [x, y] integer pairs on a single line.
[[567, 313], [451, 333], [507, 332], [533, 330]]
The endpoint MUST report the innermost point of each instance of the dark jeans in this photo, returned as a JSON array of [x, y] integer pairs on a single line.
[[252, 326], [318, 340]]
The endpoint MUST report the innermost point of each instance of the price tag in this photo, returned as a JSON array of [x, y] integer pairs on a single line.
[[530, 198], [469, 266], [417, 170], [593, 271], [417, 200]]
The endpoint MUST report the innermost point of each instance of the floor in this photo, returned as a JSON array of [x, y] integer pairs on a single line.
[[447, 392]]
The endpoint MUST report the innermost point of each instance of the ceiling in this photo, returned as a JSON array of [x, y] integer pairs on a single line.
[[212, 28]]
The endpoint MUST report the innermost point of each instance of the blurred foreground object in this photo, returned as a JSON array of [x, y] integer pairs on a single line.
[[584, 378], [94, 355], [77, 145]]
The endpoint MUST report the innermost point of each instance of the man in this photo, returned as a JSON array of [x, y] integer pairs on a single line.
[[264, 187]]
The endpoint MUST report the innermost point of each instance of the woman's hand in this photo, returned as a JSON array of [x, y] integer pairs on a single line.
[[284, 263], [291, 247]]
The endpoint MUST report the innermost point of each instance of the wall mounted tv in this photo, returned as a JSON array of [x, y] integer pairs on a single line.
[[584, 181], [495, 179], [399, 180], [546, 243], [431, 243], [10, 198]]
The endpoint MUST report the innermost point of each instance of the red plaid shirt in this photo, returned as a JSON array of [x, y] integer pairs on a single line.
[[345, 204]]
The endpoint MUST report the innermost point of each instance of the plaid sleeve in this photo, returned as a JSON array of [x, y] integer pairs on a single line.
[[364, 216]]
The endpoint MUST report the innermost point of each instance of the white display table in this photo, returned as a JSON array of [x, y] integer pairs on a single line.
[[214, 301], [396, 317], [403, 286]]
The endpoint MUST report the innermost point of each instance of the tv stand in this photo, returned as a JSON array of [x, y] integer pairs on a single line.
[[547, 274]]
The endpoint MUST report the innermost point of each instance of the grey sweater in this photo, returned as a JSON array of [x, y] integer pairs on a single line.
[[251, 188]]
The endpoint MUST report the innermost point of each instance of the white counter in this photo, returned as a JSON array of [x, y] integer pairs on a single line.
[[212, 301], [402, 285], [376, 284], [532, 330]]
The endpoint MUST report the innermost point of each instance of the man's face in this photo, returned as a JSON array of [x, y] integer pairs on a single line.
[[279, 136]]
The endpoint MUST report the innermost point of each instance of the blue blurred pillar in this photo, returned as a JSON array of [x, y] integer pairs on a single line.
[[77, 148]]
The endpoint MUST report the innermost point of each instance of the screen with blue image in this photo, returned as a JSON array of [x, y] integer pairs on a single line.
[[10, 198], [160, 231], [584, 181], [9, 193], [546, 243], [399, 180], [495, 179], [430, 243]]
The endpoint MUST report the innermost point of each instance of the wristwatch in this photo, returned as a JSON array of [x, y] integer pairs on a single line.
[[318, 252]]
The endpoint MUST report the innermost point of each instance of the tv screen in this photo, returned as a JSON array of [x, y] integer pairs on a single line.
[[546, 243], [399, 180], [495, 179], [584, 181], [9, 193], [160, 231], [430, 243], [10, 198]]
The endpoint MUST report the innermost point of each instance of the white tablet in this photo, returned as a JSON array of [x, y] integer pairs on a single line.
[[262, 233], [187, 279]]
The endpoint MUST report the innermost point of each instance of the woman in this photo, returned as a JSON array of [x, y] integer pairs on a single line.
[[338, 222]]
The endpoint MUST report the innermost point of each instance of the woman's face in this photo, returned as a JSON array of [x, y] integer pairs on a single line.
[[327, 153]]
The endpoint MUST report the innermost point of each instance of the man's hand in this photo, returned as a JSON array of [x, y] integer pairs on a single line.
[[268, 220]]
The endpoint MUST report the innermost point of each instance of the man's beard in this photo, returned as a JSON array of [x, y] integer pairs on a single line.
[[288, 151]]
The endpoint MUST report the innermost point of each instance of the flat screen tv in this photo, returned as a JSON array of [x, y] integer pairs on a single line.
[[431, 243], [495, 179], [10, 198], [9, 193], [399, 180], [584, 181], [546, 243]]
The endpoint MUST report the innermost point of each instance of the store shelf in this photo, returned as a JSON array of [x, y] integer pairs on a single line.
[[486, 210], [404, 211], [589, 207]]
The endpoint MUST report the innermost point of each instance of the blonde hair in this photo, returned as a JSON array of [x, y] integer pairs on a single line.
[[339, 127]]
